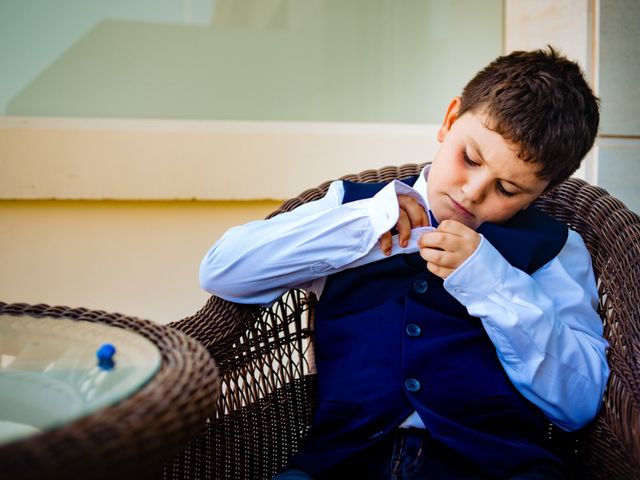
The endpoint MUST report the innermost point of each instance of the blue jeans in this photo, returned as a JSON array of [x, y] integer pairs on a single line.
[[399, 457], [293, 474], [409, 455]]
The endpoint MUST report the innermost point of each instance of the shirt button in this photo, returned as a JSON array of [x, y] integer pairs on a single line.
[[413, 330], [420, 286], [412, 384]]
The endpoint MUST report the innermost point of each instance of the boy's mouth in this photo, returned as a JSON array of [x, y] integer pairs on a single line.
[[460, 208]]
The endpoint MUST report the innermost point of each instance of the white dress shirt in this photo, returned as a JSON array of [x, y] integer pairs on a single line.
[[545, 328]]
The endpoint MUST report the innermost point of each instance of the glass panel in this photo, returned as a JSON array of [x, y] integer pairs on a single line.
[[289, 60], [619, 67], [619, 170]]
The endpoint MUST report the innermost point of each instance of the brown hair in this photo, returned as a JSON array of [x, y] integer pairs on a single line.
[[539, 101]]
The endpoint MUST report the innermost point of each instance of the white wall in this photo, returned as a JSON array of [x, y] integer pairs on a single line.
[[136, 258]]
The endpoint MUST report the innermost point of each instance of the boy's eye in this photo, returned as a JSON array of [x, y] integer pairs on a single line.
[[504, 191], [468, 160]]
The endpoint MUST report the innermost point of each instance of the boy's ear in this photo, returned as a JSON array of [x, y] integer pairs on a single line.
[[449, 118]]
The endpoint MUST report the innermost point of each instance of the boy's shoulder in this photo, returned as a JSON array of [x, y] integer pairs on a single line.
[[528, 240]]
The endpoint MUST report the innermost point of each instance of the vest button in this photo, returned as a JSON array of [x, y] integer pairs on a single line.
[[420, 286], [413, 330], [412, 384]]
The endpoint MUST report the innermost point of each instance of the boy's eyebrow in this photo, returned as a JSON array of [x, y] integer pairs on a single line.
[[476, 148]]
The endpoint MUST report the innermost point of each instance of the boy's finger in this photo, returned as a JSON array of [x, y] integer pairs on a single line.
[[404, 228], [437, 257], [385, 243], [435, 239], [417, 215], [459, 237], [454, 227], [439, 271]]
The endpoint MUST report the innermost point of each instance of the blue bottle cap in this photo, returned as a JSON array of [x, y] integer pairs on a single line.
[[105, 356]]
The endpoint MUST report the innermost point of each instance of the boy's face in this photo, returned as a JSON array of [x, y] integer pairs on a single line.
[[477, 176]]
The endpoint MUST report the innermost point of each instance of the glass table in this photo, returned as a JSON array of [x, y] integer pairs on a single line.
[[93, 394]]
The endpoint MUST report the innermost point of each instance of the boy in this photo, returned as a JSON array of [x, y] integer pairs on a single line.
[[443, 351]]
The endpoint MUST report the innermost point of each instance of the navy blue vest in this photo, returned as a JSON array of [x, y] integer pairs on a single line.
[[389, 340]]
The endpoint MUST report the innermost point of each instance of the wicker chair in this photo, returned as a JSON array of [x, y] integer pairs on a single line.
[[265, 356]]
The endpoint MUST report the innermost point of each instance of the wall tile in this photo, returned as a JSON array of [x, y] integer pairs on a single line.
[[564, 24]]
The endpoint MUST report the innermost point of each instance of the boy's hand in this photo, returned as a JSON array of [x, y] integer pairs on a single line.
[[412, 215], [446, 248]]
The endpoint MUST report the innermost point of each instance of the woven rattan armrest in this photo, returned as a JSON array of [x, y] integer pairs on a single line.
[[265, 361]]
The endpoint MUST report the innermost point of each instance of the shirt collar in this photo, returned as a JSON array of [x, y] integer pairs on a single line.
[[421, 187], [421, 184]]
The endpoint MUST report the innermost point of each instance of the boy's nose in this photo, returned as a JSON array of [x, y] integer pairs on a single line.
[[474, 190]]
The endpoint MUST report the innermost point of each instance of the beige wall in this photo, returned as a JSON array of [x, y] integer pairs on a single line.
[[138, 258], [117, 214], [138, 202], [125, 159]]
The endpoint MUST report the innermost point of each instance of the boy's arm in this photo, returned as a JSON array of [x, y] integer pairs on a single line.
[[259, 261], [545, 327]]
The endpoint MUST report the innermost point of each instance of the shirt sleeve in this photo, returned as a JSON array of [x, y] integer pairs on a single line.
[[259, 261], [545, 327]]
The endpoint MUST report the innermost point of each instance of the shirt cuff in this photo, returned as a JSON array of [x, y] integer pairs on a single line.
[[479, 275], [384, 208]]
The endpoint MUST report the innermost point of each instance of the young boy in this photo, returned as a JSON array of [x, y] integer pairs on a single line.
[[443, 350]]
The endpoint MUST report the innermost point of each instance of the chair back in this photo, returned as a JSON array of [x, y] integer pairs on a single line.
[[265, 355], [610, 446]]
